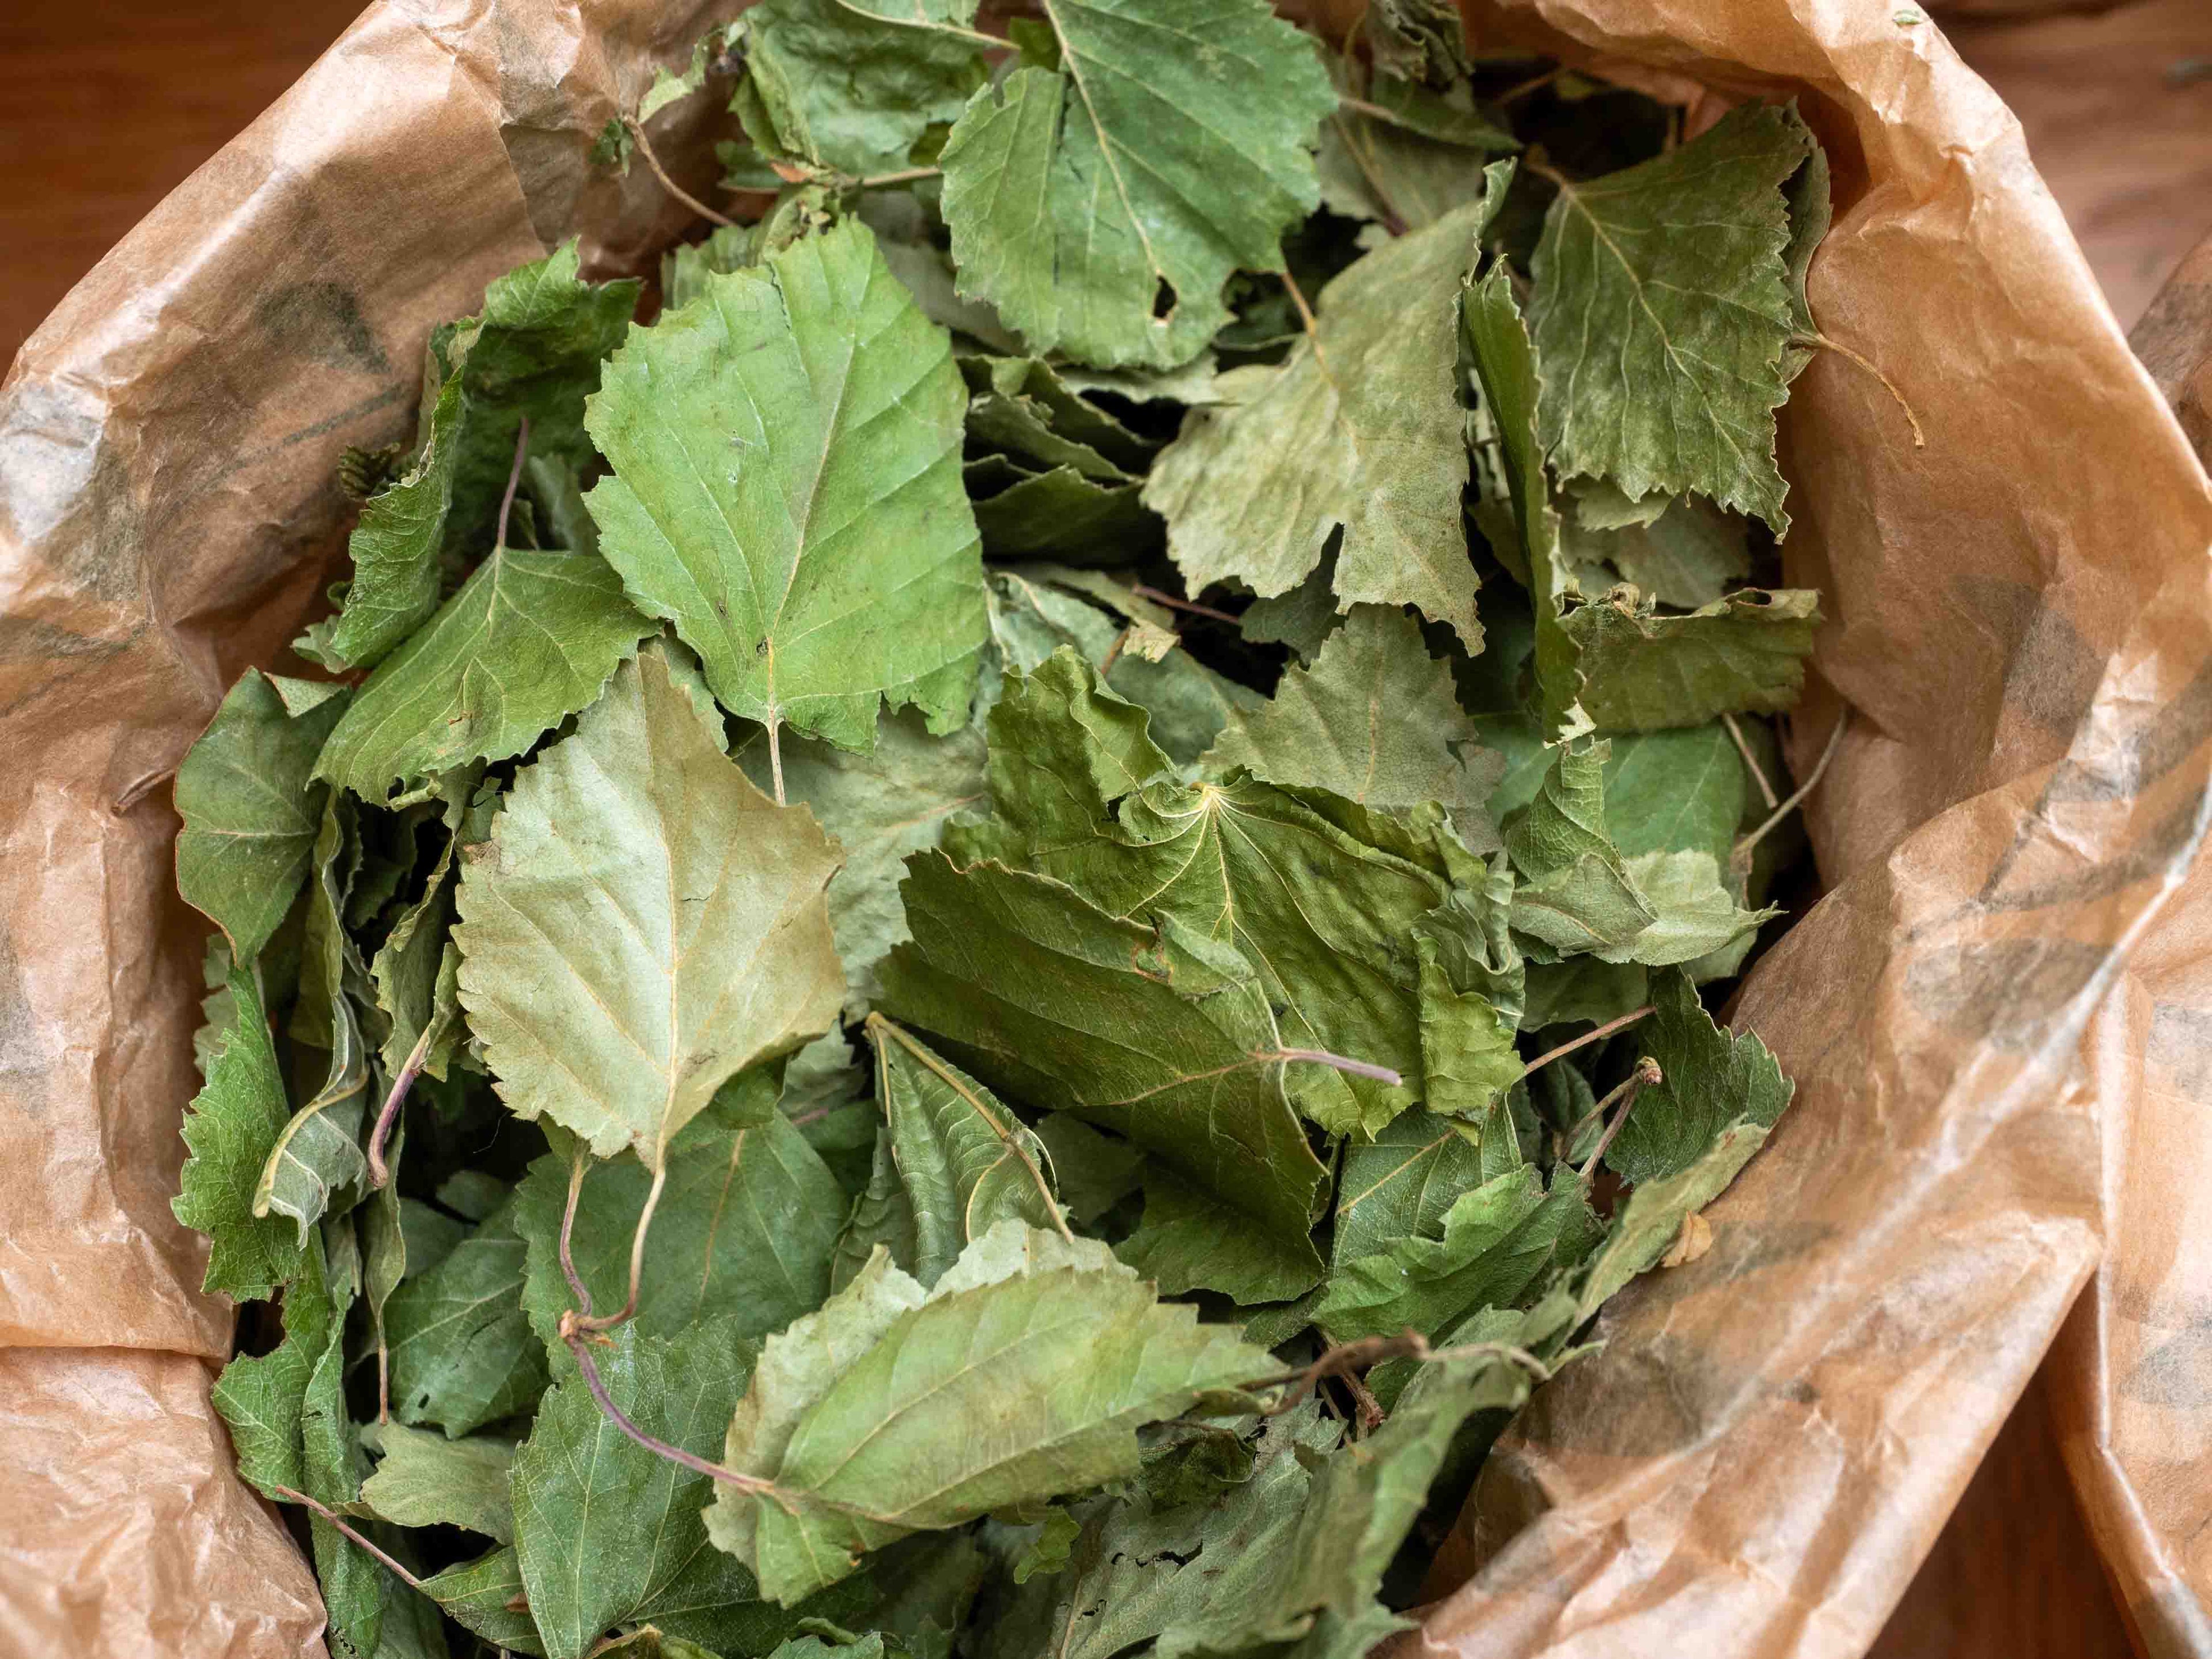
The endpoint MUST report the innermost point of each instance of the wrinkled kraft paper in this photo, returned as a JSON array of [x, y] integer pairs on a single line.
[[2000, 1017]]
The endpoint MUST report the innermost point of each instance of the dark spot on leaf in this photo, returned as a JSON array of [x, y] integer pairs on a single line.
[[1163, 301]]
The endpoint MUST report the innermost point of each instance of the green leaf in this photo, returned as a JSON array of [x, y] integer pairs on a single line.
[[1401, 1184], [230, 1129], [1693, 914], [1649, 1223], [786, 491], [1189, 1240], [427, 1480], [1678, 791], [416, 970], [643, 924], [1710, 1081], [1059, 514], [608, 1533], [852, 85], [1143, 1571], [1374, 720], [250, 810], [1467, 1056], [462, 1354], [1688, 553], [486, 1597], [1314, 894], [1360, 1501], [1409, 168], [1576, 892], [669, 87], [1038, 993], [529, 640], [261, 1397], [1661, 310], [744, 1227], [964, 1161], [1358, 431], [1584, 988], [1302, 618], [1101, 208], [1093, 1171], [878, 807], [316, 1162], [1020, 406], [355, 1586], [533, 353], [1506, 369], [1644, 670], [1024, 1373], [1501, 1243], [1033, 616]]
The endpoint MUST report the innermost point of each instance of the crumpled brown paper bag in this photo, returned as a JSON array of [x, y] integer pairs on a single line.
[[2022, 622]]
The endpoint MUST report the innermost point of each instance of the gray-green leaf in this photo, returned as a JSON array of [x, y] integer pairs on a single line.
[[964, 1160], [643, 924], [1374, 720], [744, 1227], [1358, 431], [1038, 993], [1643, 671], [1661, 310], [870, 1417], [461, 1353], [427, 1480]]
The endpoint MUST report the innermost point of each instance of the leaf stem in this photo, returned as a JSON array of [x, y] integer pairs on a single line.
[[379, 1175], [629, 1309], [1811, 783], [1346, 1360], [1535, 83], [906, 177], [644, 148], [1174, 604], [1113, 650], [776, 754], [1815, 338], [346, 1531], [1647, 1073], [990, 41], [1305, 317], [1357, 1067], [1393, 220], [580, 1346], [1376, 113], [1585, 1039], [1751, 763], [576, 1286], [513, 477]]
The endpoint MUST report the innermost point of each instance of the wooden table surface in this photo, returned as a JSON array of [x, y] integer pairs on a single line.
[[105, 105]]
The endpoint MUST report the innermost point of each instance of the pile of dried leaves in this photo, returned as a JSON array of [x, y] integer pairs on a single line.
[[983, 945]]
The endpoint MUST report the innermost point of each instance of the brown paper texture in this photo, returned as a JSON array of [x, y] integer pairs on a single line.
[[2000, 1017]]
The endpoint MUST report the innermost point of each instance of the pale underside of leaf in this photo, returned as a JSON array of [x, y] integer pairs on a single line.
[[643, 924], [1358, 432]]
